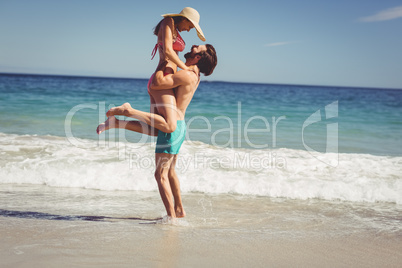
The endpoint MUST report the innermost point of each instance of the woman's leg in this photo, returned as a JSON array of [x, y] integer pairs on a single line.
[[152, 108], [163, 111], [136, 126], [166, 124]]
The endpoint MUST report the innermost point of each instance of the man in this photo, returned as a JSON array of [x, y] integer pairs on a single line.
[[167, 120]]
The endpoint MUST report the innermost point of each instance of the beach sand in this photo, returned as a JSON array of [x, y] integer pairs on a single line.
[[45, 228]]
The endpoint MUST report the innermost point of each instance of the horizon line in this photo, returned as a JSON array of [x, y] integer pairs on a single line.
[[205, 81]]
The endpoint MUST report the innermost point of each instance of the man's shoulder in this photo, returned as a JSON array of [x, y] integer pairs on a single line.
[[187, 76]]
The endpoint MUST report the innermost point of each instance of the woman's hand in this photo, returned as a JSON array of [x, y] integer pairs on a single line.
[[190, 69]]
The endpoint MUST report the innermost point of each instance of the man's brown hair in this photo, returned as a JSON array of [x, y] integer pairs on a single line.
[[208, 60]]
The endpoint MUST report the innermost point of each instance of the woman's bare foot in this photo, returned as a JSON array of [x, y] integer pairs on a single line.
[[111, 122], [120, 110]]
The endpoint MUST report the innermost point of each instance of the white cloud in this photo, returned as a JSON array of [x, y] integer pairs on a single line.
[[388, 14], [279, 44]]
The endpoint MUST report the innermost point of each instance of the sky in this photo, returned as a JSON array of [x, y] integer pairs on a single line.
[[354, 43]]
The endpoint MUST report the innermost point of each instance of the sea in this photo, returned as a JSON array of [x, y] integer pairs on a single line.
[[259, 160]]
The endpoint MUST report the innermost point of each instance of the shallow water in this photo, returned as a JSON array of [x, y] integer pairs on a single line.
[[238, 213], [43, 225]]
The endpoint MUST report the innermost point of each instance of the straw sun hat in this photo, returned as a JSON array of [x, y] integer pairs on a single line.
[[192, 15]]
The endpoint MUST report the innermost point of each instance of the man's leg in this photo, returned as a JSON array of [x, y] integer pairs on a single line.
[[136, 126], [175, 187], [163, 162]]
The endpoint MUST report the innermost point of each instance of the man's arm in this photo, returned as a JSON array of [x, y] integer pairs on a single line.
[[169, 81]]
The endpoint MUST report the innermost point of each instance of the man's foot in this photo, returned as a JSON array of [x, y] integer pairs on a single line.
[[180, 213], [120, 110], [168, 220], [111, 122]]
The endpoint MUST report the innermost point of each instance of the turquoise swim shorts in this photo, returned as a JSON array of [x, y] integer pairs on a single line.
[[170, 143]]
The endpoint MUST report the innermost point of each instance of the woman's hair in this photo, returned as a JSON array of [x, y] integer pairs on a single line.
[[176, 20], [208, 60]]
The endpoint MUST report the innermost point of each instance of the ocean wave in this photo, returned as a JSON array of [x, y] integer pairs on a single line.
[[286, 173]]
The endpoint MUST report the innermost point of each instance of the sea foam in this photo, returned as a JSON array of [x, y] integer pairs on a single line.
[[285, 173]]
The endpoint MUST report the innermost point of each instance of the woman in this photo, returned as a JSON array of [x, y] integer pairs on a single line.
[[169, 43], [163, 103], [169, 39]]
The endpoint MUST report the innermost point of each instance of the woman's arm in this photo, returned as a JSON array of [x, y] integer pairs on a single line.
[[167, 29]]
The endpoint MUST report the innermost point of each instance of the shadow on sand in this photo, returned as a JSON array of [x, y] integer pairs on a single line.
[[54, 217]]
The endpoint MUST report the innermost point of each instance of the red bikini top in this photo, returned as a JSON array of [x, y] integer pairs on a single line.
[[178, 45]]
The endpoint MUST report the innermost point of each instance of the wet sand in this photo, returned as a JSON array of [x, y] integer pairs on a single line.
[[220, 231], [30, 243]]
